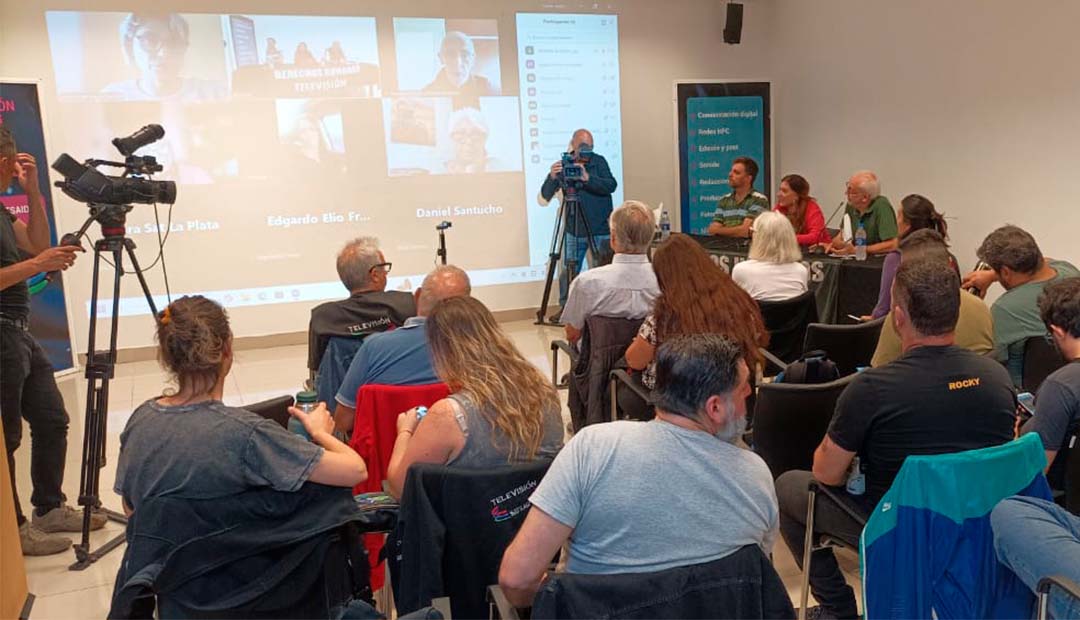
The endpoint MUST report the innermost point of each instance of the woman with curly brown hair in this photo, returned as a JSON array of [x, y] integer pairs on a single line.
[[501, 410], [696, 297], [187, 443]]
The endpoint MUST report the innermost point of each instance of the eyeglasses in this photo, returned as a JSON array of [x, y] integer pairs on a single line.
[[384, 266], [153, 43], [1049, 337]]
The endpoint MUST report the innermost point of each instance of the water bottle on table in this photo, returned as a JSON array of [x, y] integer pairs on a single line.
[[860, 242], [665, 225], [305, 401]]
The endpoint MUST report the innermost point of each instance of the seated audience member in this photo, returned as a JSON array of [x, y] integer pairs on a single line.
[[974, 327], [696, 297], [188, 444], [915, 213], [794, 202], [866, 206], [774, 271], [937, 398], [738, 208], [627, 287], [370, 308], [1037, 538], [633, 497], [502, 410], [1057, 405], [1016, 261], [400, 356]]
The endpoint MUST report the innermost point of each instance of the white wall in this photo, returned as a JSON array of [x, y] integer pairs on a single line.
[[972, 103], [659, 43]]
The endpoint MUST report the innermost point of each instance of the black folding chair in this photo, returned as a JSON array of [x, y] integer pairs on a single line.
[[1056, 582], [790, 420], [786, 322], [1041, 359], [276, 409], [1072, 475], [848, 346], [814, 489]]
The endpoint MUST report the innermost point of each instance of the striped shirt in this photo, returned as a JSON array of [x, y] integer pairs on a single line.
[[730, 213]]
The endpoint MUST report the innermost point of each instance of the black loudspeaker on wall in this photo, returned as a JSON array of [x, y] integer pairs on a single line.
[[733, 26]]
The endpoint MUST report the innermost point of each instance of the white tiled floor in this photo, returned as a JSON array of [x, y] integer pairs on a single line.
[[256, 375]]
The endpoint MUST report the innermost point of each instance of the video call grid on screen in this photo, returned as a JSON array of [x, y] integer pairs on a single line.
[[289, 135]]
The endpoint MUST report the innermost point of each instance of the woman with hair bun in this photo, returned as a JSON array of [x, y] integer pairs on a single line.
[[187, 443], [915, 213]]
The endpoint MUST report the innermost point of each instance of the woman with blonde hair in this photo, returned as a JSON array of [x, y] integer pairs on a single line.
[[774, 271], [501, 410]]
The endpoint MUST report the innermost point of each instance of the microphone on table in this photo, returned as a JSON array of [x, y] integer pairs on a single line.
[[837, 210]]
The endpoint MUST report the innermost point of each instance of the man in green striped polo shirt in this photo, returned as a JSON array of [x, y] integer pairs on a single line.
[[737, 209]]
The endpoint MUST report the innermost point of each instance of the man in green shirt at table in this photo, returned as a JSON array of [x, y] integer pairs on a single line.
[[867, 206], [738, 208]]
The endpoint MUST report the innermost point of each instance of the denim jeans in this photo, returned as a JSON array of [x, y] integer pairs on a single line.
[[28, 391], [576, 247], [1036, 538]]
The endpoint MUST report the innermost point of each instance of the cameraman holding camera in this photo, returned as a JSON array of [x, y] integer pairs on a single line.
[[594, 189], [27, 386]]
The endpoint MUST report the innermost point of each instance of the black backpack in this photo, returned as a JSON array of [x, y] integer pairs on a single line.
[[813, 367]]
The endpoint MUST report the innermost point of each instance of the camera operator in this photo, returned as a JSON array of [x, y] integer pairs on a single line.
[[594, 198], [27, 386]]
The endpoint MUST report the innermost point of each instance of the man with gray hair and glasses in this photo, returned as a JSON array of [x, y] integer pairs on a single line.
[[627, 287], [620, 487], [868, 208], [369, 309], [401, 356]]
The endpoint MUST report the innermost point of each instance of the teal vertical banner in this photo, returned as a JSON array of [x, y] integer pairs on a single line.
[[719, 129]]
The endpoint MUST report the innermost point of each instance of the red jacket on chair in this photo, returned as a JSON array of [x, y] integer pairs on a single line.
[[373, 435]]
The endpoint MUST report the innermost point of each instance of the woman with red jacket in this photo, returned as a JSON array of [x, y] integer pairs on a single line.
[[794, 201]]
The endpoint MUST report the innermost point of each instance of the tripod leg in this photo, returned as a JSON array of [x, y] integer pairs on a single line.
[[130, 245], [557, 240], [99, 371], [86, 492]]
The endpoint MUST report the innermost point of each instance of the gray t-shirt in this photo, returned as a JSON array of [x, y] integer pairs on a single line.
[[649, 496], [487, 446], [207, 450], [1057, 416]]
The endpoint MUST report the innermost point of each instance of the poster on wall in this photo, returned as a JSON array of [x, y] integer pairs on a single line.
[[717, 122], [20, 111]]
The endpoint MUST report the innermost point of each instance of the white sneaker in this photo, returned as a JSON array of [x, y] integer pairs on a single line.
[[36, 542], [67, 519]]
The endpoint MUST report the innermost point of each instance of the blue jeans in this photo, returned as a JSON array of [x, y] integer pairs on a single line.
[[1037, 538], [576, 247]]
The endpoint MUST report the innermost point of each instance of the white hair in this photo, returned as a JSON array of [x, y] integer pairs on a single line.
[[632, 225], [866, 182], [356, 260], [774, 239]]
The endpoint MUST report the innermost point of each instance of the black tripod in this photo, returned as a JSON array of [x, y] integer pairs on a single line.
[[570, 210], [99, 370], [440, 254]]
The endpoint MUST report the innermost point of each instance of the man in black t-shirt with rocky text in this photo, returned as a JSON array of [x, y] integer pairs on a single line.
[[935, 399]]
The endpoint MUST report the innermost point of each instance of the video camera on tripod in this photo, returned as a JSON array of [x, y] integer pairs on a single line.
[[110, 198], [570, 169], [86, 184]]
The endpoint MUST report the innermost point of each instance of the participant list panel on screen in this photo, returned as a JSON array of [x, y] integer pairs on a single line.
[[568, 69]]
